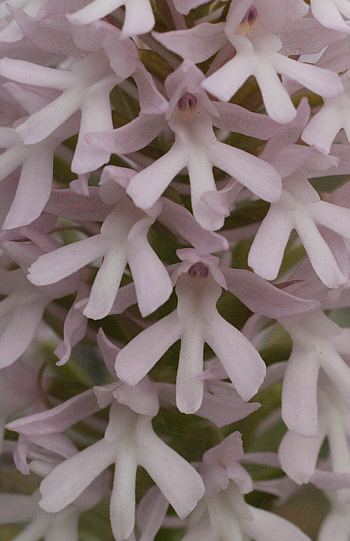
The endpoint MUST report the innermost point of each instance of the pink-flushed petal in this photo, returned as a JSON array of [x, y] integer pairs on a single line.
[[44, 122], [152, 282], [298, 455], [150, 513], [332, 216], [324, 82], [139, 18], [97, 9], [136, 359], [45, 35], [276, 98], [108, 349], [328, 480], [225, 82], [129, 138], [125, 298], [267, 526], [195, 44], [320, 254], [323, 127], [34, 187], [222, 411], [122, 54], [181, 485], [11, 159], [122, 504], [74, 330], [266, 254], [148, 185], [20, 330], [57, 419], [106, 283], [237, 119], [59, 264], [95, 116], [33, 74], [258, 176], [240, 359], [150, 99], [180, 221], [299, 395], [335, 526], [338, 372], [262, 297], [68, 480], [68, 204], [189, 389]]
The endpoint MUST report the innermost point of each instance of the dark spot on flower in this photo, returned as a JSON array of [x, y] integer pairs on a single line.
[[188, 100], [199, 268], [251, 16]]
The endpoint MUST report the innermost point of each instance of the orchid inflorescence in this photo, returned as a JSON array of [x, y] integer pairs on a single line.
[[174, 277]]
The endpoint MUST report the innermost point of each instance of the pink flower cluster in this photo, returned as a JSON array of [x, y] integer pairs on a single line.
[[175, 227]]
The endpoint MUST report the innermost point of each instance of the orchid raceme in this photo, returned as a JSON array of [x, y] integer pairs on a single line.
[[174, 270]]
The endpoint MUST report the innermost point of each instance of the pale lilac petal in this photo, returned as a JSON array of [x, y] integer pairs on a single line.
[[125, 298], [148, 185], [20, 331], [152, 282], [57, 419], [150, 99], [222, 411], [276, 98], [266, 253], [34, 187], [68, 204], [59, 264], [332, 216], [150, 513], [241, 361], [195, 44], [323, 127], [237, 119], [320, 254], [189, 389], [74, 330], [136, 359], [324, 82], [335, 526], [267, 526], [122, 504], [95, 116], [33, 74], [262, 297], [258, 176], [129, 138], [225, 82], [68, 480], [179, 220], [181, 485], [139, 18], [299, 395], [338, 372], [106, 283], [94, 11], [44, 122], [298, 455], [45, 35]]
